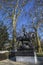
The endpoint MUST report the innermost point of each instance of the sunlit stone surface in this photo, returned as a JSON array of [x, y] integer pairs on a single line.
[[25, 59]]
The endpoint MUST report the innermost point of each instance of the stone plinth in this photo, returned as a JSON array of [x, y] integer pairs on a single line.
[[25, 55]]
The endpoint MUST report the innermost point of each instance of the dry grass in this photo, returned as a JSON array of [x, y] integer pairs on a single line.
[[40, 54]]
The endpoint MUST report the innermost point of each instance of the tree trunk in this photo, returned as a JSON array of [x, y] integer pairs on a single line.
[[14, 32], [38, 43]]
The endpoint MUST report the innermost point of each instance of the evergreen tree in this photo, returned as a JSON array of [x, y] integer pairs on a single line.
[[3, 35]]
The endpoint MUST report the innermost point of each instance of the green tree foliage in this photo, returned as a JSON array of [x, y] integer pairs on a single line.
[[3, 35]]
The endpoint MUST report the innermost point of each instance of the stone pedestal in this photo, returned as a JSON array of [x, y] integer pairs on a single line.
[[25, 55], [25, 59]]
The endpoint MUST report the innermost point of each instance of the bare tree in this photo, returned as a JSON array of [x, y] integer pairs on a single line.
[[36, 15], [14, 9]]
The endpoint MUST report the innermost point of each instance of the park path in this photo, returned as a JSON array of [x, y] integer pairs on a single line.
[[9, 62]]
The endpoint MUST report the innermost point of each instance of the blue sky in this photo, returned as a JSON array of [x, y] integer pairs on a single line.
[[22, 19]]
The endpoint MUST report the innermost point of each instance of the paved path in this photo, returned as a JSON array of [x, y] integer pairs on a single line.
[[9, 62]]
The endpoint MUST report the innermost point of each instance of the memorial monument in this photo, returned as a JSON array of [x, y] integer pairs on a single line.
[[25, 53]]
